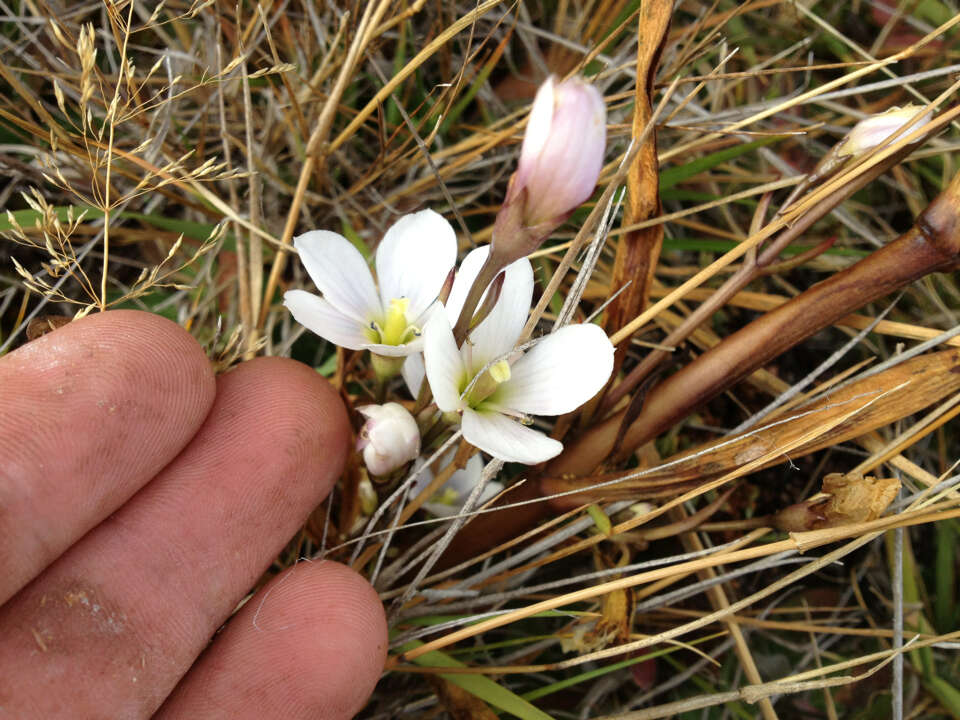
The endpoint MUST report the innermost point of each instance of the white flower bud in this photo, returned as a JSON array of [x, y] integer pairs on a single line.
[[562, 151], [389, 439], [871, 131]]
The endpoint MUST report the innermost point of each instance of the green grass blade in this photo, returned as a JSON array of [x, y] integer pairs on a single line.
[[591, 674], [28, 218], [480, 686], [945, 693], [671, 176], [945, 578]]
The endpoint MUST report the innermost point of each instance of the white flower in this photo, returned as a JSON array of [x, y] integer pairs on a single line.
[[449, 499], [871, 131], [412, 262], [389, 439], [489, 384], [517, 288], [562, 151]]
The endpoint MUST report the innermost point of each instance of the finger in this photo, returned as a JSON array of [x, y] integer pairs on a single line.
[[119, 618], [311, 644], [88, 414]]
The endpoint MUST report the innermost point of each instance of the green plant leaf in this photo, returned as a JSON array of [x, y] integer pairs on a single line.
[[328, 366], [945, 576], [913, 596], [187, 228], [28, 218], [591, 674], [479, 685], [671, 176], [600, 519], [946, 694], [194, 230]]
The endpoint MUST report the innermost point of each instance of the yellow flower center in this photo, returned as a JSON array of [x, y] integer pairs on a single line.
[[395, 325], [447, 496], [395, 329]]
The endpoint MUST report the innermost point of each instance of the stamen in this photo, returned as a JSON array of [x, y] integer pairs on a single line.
[[500, 371]]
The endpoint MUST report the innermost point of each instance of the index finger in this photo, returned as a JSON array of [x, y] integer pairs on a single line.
[[88, 415]]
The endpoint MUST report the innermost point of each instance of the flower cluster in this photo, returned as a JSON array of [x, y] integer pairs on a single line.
[[480, 376]]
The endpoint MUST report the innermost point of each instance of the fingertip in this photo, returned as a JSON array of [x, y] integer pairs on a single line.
[[300, 412], [116, 335], [312, 643], [88, 414]]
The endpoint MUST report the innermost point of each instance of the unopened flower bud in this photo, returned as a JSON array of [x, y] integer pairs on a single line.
[[871, 131], [560, 162], [562, 151], [389, 439], [367, 495]]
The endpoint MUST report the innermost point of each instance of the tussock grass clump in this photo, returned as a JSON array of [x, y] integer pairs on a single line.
[[759, 514]]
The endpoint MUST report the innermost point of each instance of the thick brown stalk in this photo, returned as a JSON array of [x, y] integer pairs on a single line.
[[931, 245], [906, 388]]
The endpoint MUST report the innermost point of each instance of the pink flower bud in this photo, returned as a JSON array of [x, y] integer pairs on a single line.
[[389, 439], [562, 151], [871, 131]]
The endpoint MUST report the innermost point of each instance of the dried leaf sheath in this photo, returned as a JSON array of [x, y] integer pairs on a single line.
[[639, 250]]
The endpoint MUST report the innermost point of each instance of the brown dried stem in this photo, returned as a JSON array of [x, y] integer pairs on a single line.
[[639, 249]]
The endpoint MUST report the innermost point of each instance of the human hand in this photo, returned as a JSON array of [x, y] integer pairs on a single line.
[[140, 499]]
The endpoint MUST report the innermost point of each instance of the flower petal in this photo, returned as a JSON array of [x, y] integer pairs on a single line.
[[490, 491], [560, 373], [410, 348], [444, 366], [390, 437], [507, 439], [440, 510], [874, 129], [569, 162], [536, 135], [424, 476], [463, 481], [414, 259], [498, 333], [413, 373], [339, 271], [322, 318]]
